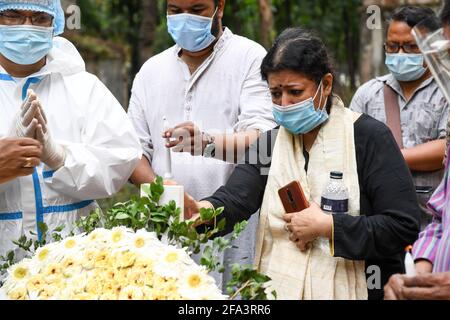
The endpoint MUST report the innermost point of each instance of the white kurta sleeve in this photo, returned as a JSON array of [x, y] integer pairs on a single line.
[[109, 151], [255, 101], [137, 115]]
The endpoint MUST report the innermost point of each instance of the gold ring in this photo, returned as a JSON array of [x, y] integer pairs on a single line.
[[28, 163]]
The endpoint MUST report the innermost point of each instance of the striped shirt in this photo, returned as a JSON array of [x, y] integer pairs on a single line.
[[434, 242]]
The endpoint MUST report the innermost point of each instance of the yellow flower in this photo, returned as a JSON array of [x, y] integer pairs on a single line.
[[97, 235], [148, 293], [70, 267], [149, 278], [53, 273], [53, 269], [121, 276], [88, 261], [136, 278], [42, 254], [77, 284], [48, 291], [109, 275], [18, 293], [131, 293], [172, 257], [20, 273], [139, 242], [194, 281], [102, 259], [109, 287], [125, 259], [94, 287], [108, 296], [70, 243], [85, 297], [117, 235], [36, 283]]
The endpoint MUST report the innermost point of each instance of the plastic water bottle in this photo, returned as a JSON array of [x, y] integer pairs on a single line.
[[334, 200], [335, 196]]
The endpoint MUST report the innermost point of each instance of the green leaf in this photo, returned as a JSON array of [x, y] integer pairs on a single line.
[[122, 216], [222, 224]]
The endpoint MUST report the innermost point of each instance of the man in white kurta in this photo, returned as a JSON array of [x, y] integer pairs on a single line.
[[224, 96]]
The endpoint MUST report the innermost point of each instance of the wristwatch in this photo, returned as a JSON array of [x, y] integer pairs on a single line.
[[210, 149]]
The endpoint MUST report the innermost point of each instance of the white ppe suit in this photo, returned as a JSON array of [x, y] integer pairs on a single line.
[[84, 117]]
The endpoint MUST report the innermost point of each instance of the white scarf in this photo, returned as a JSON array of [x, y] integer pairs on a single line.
[[315, 274]]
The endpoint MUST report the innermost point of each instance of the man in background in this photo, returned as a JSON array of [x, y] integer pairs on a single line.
[[410, 102], [209, 87]]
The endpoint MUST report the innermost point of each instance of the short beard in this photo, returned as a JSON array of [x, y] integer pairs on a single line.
[[215, 28]]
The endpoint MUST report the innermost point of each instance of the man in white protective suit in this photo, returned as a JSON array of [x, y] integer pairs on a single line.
[[89, 147]]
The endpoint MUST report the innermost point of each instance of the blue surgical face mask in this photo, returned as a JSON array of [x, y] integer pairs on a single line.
[[302, 117], [25, 44], [406, 67], [191, 32]]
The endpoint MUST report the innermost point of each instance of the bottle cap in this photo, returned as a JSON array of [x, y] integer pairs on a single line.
[[336, 175], [408, 248]]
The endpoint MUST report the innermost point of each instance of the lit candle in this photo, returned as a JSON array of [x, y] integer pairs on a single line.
[[168, 175], [410, 267]]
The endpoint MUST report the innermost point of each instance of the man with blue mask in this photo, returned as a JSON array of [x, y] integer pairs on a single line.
[[209, 87], [410, 102], [87, 147]]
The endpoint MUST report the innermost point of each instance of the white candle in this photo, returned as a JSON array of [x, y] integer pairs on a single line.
[[410, 266], [168, 174]]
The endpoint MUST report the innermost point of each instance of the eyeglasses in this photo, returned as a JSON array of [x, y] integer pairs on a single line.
[[391, 47], [40, 19]]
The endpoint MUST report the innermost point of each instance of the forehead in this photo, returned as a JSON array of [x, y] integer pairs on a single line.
[[288, 77], [400, 31], [189, 3]]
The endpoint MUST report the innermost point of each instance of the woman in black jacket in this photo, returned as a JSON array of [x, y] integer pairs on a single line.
[[380, 225]]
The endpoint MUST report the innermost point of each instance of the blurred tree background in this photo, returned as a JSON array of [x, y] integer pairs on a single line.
[[118, 36], [138, 27]]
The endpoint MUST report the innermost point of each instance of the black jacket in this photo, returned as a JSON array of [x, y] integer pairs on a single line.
[[390, 212]]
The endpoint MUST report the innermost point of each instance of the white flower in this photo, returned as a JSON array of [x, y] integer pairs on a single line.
[[172, 262], [119, 237], [21, 272], [109, 264], [196, 285]]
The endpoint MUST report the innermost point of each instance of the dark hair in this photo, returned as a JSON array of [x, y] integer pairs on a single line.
[[301, 51], [445, 13], [414, 16]]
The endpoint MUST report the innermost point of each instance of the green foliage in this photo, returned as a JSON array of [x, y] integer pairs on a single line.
[[248, 283], [28, 247]]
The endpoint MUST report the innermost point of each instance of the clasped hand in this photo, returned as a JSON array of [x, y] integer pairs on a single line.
[[31, 122], [308, 225]]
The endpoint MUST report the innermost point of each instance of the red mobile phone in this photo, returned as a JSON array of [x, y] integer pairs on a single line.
[[293, 198]]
